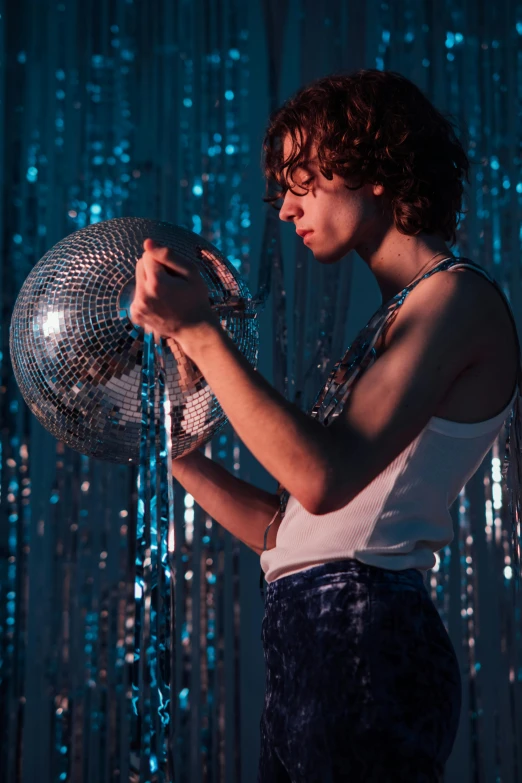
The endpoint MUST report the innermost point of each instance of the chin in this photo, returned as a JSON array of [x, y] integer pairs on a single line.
[[331, 257]]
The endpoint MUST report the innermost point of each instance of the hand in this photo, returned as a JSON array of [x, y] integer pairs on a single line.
[[171, 299]]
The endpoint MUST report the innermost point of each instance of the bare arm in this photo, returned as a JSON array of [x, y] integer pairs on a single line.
[[241, 508], [325, 468]]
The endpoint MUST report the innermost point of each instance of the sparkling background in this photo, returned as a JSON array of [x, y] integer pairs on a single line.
[[157, 109]]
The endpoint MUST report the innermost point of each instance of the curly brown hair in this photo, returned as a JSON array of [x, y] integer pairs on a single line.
[[374, 127]]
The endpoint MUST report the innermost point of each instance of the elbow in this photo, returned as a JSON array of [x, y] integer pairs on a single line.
[[328, 490], [318, 506], [330, 499], [318, 502]]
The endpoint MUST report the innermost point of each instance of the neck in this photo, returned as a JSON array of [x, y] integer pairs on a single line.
[[396, 259]]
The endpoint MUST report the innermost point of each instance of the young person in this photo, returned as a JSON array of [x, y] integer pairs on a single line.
[[362, 681]]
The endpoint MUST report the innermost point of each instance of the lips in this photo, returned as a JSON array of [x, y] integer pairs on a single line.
[[302, 232]]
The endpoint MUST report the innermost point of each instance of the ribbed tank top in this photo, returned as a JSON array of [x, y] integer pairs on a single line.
[[402, 517]]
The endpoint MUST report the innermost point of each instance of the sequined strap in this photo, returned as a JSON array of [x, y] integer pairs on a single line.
[[361, 354]]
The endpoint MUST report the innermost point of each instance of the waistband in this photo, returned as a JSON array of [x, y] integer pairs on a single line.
[[337, 571]]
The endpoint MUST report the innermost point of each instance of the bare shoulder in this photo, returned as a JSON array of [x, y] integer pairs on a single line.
[[471, 316], [463, 302], [445, 303]]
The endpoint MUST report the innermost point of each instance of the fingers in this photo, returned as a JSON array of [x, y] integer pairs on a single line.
[[140, 272], [165, 256]]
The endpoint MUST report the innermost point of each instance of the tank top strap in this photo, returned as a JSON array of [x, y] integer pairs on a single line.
[[361, 354]]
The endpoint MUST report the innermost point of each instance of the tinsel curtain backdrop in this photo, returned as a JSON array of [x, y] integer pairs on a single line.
[[157, 109]]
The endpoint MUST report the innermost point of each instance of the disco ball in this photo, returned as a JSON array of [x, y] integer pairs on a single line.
[[77, 356]]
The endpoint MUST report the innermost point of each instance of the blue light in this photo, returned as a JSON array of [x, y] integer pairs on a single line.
[[217, 137], [230, 149], [183, 698], [21, 57], [17, 239], [96, 209], [519, 28], [379, 63], [32, 174], [98, 160], [229, 95], [187, 102], [409, 37], [197, 190], [519, 187], [386, 36], [450, 40], [495, 165], [196, 224], [426, 62], [459, 38], [234, 54]]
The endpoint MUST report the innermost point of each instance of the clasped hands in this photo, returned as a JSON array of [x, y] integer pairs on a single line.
[[171, 299]]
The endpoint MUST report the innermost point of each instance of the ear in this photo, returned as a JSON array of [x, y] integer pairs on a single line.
[[378, 189]]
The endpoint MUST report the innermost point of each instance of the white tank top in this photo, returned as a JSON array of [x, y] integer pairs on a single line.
[[402, 517]]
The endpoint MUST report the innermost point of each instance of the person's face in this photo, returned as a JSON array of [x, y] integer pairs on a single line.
[[339, 219]]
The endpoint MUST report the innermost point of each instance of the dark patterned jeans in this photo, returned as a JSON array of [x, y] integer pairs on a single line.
[[362, 681]]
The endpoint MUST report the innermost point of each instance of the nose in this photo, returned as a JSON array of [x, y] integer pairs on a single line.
[[291, 208]]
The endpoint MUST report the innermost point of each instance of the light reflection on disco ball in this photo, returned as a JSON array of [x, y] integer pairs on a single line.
[[77, 356]]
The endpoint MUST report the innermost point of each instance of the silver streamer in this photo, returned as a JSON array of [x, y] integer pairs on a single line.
[[75, 351]]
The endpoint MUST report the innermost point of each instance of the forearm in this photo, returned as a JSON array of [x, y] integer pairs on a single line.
[[293, 447], [241, 508]]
